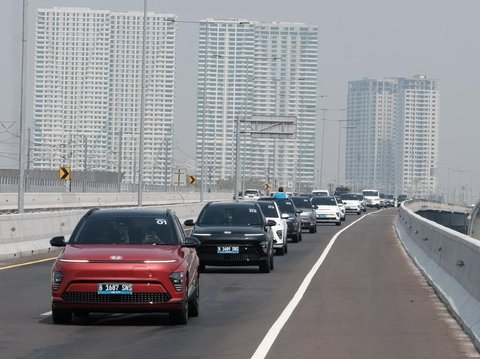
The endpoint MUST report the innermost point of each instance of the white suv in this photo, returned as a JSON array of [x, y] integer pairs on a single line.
[[372, 197], [251, 194], [271, 211]]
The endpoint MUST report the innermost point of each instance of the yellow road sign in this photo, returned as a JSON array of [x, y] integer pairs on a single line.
[[64, 173], [192, 179], [266, 186]]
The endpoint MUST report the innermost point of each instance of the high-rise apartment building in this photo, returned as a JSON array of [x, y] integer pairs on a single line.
[[392, 135], [87, 98], [248, 69]]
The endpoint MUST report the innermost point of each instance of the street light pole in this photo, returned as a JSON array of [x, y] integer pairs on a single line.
[[323, 138], [202, 167], [21, 149]]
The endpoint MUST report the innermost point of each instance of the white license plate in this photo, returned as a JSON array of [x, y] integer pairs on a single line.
[[115, 288], [228, 250]]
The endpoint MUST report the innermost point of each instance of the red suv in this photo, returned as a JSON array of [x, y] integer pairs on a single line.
[[126, 260]]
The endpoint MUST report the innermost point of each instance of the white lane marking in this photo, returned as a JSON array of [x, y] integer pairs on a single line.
[[275, 329], [27, 263], [46, 313]]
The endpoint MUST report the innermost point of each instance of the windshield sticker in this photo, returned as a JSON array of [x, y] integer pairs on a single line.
[[161, 221]]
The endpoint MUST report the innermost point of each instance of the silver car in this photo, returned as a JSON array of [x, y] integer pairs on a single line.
[[309, 219]]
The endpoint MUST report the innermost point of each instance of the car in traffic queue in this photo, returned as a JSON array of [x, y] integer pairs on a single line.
[[251, 194], [233, 233], [341, 205], [327, 209], [271, 211], [294, 220], [320, 192], [401, 198], [362, 200], [372, 198], [352, 203], [391, 200], [124, 261], [308, 215]]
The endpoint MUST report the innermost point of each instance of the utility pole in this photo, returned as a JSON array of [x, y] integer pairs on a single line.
[[324, 119], [21, 150]]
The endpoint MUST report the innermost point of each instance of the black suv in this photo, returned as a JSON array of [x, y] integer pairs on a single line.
[[294, 221], [233, 234]]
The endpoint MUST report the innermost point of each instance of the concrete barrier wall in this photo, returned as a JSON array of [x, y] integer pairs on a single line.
[[72, 200], [28, 234], [449, 260]]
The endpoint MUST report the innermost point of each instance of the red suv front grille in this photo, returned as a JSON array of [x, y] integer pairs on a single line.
[[91, 297]]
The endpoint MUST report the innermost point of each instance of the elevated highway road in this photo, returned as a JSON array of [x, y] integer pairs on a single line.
[[364, 299]]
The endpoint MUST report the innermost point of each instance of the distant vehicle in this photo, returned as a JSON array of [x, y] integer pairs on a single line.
[[271, 211], [372, 197], [308, 214], [352, 202], [340, 190], [383, 200], [341, 205], [233, 233], [320, 192], [326, 209], [362, 200], [294, 220], [391, 200], [126, 260], [401, 198], [251, 194], [240, 195]]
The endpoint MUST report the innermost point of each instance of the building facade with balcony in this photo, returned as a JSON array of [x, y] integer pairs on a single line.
[[248, 70], [87, 96], [392, 143]]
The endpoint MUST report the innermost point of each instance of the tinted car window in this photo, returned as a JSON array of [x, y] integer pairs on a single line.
[[125, 230], [268, 209], [230, 215], [285, 205]]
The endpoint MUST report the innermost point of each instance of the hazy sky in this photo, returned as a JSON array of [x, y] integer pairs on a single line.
[[357, 39]]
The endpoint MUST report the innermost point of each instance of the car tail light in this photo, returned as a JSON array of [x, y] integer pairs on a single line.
[[279, 233], [57, 278], [177, 280]]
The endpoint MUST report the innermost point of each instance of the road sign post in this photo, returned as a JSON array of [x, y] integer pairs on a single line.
[[179, 177]]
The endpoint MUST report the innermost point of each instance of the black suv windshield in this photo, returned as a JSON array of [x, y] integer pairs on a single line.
[[232, 214], [125, 230]]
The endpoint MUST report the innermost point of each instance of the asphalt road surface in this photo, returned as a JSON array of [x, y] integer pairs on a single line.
[[365, 300]]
